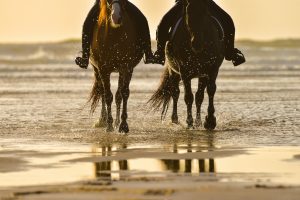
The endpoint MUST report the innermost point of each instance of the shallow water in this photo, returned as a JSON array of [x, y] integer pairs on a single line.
[[42, 98]]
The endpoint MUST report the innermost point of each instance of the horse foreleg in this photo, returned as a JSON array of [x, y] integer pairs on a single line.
[[189, 99], [210, 120], [108, 100], [199, 100], [125, 95], [119, 101]]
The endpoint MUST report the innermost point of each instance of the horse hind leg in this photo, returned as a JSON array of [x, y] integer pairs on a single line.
[[118, 101], [102, 122], [175, 92], [210, 120], [96, 94], [189, 99], [125, 96], [108, 100], [199, 100]]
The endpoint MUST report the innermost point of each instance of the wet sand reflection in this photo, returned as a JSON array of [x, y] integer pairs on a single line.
[[117, 169]]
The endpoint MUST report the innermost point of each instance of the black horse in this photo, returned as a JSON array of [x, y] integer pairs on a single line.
[[115, 48], [196, 50]]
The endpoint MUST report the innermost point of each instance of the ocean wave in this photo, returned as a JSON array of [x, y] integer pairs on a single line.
[[40, 54], [37, 54], [66, 51], [285, 43]]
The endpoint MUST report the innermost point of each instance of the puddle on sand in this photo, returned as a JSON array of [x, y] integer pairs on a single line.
[[54, 163]]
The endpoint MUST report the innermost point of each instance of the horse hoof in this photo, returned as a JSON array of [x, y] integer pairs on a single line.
[[100, 124], [210, 123], [124, 127], [198, 123], [190, 123], [175, 121], [190, 127], [110, 129]]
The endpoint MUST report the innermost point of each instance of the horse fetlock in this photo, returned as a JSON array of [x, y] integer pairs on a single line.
[[190, 127], [190, 123], [175, 119], [109, 128], [211, 110], [198, 122], [124, 116]]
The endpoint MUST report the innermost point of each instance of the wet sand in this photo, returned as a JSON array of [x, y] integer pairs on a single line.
[[47, 136], [177, 189]]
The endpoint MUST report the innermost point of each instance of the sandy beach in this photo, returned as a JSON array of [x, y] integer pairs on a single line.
[[49, 148]]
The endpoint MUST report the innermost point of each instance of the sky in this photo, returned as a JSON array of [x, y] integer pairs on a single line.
[[53, 20]]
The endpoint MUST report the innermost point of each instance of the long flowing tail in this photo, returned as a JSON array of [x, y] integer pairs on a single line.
[[162, 97], [96, 93]]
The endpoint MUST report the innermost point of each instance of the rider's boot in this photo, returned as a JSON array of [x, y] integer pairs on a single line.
[[233, 54], [238, 57], [83, 61]]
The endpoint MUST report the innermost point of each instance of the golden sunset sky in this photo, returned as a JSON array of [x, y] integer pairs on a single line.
[[52, 20]]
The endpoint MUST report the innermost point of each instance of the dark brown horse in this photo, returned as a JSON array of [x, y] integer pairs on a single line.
[[196, 50], [115, 48]]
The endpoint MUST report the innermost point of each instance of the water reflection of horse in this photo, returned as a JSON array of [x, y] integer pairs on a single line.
[[188, 165], [195, 51], [105, 170], [115, 48], [204, 165]]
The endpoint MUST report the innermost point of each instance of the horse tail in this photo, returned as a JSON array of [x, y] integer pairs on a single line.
[[96, 93], [162, 96]]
